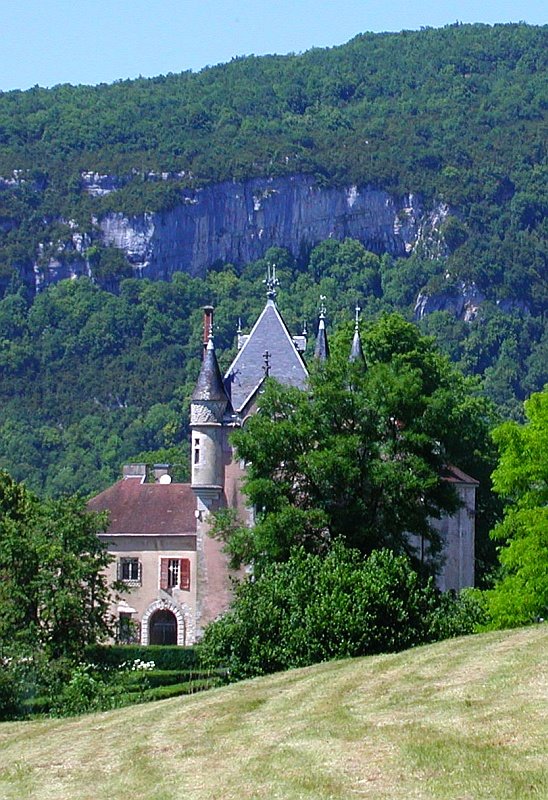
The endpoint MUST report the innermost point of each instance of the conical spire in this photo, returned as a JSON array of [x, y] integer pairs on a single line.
[[209, 385], [321, 351], [356, 351]]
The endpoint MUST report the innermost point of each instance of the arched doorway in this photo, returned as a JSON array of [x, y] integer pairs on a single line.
[[183, 616], [163, 627]]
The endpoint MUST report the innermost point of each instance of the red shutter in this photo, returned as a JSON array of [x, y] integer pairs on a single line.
[[185, 574], [164, 565]]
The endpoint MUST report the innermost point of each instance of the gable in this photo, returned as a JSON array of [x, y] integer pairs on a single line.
[[247, 371]]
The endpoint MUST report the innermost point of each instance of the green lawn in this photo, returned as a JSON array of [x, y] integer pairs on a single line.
[[465, 719]]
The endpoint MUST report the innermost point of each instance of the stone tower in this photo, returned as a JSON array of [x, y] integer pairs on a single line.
[[208, 405]]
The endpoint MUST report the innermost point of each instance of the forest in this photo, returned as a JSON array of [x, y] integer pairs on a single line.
[[98, 371]]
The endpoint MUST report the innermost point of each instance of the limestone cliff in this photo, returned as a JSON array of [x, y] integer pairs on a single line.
[[238, 222], [462, 300]]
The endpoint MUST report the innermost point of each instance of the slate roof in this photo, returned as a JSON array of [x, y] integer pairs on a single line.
[[209, 385], [146, 509], [246, 372], [356, 351], [321, 351]]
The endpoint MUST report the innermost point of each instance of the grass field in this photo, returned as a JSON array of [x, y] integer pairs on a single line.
[[465, 719]]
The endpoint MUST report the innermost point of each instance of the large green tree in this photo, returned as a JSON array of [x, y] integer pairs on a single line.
[[521, 478], [361, 455], [53, 591]]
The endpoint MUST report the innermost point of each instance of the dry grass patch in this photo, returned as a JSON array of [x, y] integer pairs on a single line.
[[462, 719]]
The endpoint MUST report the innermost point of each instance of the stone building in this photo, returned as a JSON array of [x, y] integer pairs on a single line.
[[177, 576]]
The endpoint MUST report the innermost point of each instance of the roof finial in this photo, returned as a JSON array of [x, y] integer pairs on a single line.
[[356, 350], [322, 306], [271, 282], [321, 351]]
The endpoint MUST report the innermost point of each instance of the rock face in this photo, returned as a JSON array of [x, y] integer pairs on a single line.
[[462, 301], [98, 185], [238, 222]]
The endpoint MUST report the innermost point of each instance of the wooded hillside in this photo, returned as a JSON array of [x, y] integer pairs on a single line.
[[90, 378]]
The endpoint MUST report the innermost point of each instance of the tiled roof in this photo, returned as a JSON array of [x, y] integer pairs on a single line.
[[247, 370], [147, 508], [456, 475]]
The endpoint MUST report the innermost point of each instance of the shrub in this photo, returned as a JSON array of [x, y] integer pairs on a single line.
[[30, 684], [21, 680], [458, 614], [8, 693], [313, 608], [85, 690]]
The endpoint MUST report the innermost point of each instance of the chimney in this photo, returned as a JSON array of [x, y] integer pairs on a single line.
[[208, 325], [159, 470], [135, 471]]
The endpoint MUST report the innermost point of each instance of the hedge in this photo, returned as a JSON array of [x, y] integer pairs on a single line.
[[169, 677], [165, 657], [190, 687]]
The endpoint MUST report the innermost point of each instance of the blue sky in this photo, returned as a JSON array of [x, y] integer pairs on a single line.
[[48, 42]]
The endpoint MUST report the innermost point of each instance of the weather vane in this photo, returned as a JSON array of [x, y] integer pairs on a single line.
[[271, 282], [322, 306]]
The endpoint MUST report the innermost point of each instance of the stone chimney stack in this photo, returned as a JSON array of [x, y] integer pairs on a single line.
[[135, 471], [208, 326], [160, 471]]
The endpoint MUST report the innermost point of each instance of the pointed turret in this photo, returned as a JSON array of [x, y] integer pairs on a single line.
[[209, 386], [207, 408], [321, 351], [356, 351]]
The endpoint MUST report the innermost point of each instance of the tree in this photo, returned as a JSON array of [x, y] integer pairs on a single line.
[[53, 593], [521, 478], [360, 456]]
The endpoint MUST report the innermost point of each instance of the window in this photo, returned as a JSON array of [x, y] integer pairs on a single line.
[[197, 451], [173, 569], [175, 573], [129, 570]]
